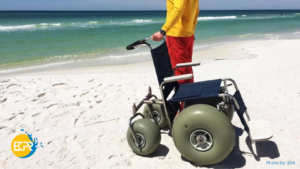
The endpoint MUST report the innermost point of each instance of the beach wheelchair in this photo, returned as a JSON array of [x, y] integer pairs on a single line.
[[202, 132]]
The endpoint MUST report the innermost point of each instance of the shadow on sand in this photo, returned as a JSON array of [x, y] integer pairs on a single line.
[[161, 151], [264, 149]]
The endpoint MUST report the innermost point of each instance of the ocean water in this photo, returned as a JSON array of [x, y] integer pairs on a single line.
[[53, 40]]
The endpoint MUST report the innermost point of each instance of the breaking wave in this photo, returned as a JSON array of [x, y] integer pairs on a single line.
[[216, 18], [93, 22], [28, 27], [132, 22], [141, 21], [89, 24], [7, 28]]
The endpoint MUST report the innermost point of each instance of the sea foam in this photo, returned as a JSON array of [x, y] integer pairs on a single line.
[[50, 24], [93, 22], [133, 22], [216, 18], [28, 27], [141, 21], [55, 24], [8, 28]]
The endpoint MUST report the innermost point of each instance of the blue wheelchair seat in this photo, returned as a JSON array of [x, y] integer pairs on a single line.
[[197, 90]]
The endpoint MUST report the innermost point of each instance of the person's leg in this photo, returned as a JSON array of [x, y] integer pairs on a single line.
[[190, 46], [180, 51], [189, 43]]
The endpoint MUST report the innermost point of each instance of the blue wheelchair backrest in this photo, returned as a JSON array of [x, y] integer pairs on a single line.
[[163, 67]]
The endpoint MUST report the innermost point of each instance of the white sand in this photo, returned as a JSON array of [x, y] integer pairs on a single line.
[[81, 115]]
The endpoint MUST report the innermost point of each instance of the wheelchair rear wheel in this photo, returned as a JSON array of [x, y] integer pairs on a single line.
[[148, 135], [203, 134]]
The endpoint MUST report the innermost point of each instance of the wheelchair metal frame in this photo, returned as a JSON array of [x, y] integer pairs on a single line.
[[226, 97], [147, 101]]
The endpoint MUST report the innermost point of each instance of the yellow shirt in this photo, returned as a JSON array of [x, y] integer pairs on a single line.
[[182, 17]]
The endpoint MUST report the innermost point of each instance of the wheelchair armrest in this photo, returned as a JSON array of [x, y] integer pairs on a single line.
[[187, 64], [176, 78]]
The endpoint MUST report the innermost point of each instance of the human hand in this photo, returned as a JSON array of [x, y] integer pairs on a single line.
[[157, 36]]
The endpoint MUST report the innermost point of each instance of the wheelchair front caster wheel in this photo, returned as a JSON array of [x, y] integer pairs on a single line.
[[203, 134], [158, 117], [147, 134]]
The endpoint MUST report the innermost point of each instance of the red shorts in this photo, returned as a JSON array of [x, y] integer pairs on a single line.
[[181, 51]]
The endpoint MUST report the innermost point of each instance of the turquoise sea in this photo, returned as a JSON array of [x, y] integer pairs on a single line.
[[53, 40]]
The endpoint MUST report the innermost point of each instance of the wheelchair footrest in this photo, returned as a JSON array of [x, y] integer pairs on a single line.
[[260, 130]]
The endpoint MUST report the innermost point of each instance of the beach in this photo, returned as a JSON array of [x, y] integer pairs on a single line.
[[81, 114]]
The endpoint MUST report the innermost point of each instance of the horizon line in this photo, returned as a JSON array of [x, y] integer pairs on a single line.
[[141, 10]]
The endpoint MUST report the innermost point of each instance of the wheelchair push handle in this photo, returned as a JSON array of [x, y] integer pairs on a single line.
[[139, 43]]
